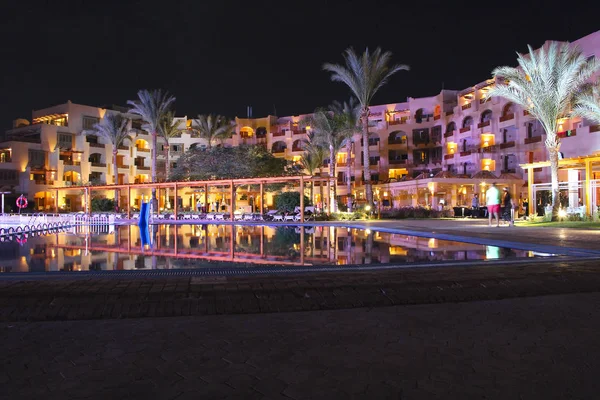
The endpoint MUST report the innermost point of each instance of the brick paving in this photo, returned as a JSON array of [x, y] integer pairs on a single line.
[[524, 348]]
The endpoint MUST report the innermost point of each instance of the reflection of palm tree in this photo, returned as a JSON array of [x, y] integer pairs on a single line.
[[168, 129], [364, 76], [113, 127], [546, 84], [312, 160]]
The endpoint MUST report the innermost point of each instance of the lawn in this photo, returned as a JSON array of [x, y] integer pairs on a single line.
[[561, 224]]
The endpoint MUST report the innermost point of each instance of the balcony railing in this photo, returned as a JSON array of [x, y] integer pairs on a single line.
[[465, 153], [507, 145], [276, 134], [507, 117], [143, 168], [278, 151], [436, 161], [123, 147], [566, 134], [122, 166], [398, 161], [436, 117], [535, 139], [449, 113], [397, 122], [297, 132], [396, 141], [465, 129], [449, 156], [466, 106], [594, 128], [448, 134], [98, 145], [98, 164], [525, 112], [44, 182], [509, 171], [483, 124], [71, 162], [489, 149], [143, 149]]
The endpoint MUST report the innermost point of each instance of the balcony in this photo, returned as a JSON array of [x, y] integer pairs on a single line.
[[396, 141], [507, 117], [483, 124], [465, 153], [45, 182], [71, 162], [142, 149], [397, 122], [398, 161], [436, 117], [489, 149], [465, 129], [297, 132], [507, 145], [448, 134], [99, 164], [122, 166], [567, 134], [449, 156], [97, 145], [466, 106], [449, 113], [276, 134], [142, 168], [535, 139], [594, 128]]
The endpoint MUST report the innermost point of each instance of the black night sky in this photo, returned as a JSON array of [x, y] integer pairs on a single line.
[[220, 56]]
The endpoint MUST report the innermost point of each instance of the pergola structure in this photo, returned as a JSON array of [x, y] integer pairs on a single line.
[[586, 163], [205, 184]]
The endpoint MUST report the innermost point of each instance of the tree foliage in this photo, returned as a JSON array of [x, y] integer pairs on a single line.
[[245, 161], [213, 128], [288, 201], [588, 105]]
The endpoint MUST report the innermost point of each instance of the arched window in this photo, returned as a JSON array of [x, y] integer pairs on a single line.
[[261, 132], [297, 145], [278, 147], [419, 115], [467, 122], [451, 127], [508, 109], [486, 116], [397, 137]]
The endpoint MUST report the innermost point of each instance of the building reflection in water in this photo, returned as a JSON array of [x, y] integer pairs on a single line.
[[197, 246]]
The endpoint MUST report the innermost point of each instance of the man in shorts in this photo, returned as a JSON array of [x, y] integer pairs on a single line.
[[492, 199]]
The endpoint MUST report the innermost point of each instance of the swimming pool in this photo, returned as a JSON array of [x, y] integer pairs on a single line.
[[109, 247]]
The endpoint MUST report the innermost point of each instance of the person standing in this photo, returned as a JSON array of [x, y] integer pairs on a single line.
[[492, 197], [475, 206], [508, 207]]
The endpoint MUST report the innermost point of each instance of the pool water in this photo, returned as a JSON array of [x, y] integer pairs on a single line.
[[202, 246]]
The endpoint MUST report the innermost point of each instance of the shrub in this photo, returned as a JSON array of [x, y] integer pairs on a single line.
[[288, 201], [103, 204], [415, 212]]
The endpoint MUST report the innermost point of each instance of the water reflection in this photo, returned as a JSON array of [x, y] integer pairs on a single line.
[[197, 246]]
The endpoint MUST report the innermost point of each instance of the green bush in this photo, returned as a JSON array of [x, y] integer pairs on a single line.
[[103, 204], [288, 201]]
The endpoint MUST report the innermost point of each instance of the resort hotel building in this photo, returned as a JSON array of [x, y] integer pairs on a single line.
[[430, 151]]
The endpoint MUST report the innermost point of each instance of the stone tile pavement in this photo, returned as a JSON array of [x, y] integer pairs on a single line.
[[522, 348]]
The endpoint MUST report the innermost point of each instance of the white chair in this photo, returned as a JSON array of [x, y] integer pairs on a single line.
[[210, 217], [248, 217], [187, 216], [195, 216], [277, 217], [220, 217], [290, 218]]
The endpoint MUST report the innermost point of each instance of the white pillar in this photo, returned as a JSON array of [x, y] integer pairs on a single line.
[[573, 178]]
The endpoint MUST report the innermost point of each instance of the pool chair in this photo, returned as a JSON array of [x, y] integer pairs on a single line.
[[220, 217], [248, 217], [210, 217], [258, 217], [187, 216], [195, 216], [277, 217], [238, 217], [290, 217]]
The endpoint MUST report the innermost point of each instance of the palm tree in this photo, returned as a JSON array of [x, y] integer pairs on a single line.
[[330, 130], [312, 160], [351, 111], [168, 129], [152, 106], [213, 127], [114, 128], [587, 105], [364, 76], [546, 84]]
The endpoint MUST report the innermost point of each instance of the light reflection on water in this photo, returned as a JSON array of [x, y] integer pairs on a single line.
[[197, 246]]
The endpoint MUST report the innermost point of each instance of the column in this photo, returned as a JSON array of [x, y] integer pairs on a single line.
[[176, 206], [302, 202], [232, 194], [262, 196], [206, 206], [573, 183], [530, 191], [128, 201], [453, 196], [328, 203], [55, 204], [588, 190]]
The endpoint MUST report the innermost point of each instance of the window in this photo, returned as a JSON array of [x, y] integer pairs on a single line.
[[65, 140], [89, 122], [177, 148], [8, 176], [37, 158], [91, 139]]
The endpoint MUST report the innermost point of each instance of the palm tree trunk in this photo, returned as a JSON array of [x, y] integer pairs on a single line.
[[167, 171], [312, 192], [153, 161], [322, 192], [333, 202], [116, 177], [349, 175], [366, 168], [553, 146]]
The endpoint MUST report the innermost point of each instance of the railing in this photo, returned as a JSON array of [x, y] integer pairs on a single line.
[[276, 134], [525, 112], [398, 161], [277, 151], [507, 145], [436, 117], [295, 148], [396, 141], [448, 156], [123, 148], [594, 128], [98, 145], [449, 113], [98, 164], [465, 153], [436, 161], [71, 162], [122, 166], [143, 168], [448, 133], [43, 182], [509, 171], [535, 139], [143, 150], [489, 149], [566, 134], [483, 124], [466, 106], [507, 117], [465, 129]]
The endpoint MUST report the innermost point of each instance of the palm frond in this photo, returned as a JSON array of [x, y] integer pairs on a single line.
[[114, 128], [213, 128], [587, 105], [151, 106]]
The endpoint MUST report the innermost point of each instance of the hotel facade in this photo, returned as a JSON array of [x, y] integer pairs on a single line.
[[424, 151]]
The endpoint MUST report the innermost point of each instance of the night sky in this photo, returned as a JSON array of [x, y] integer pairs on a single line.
[[221, 56]]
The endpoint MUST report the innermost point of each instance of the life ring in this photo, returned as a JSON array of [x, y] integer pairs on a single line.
[[22, 201]]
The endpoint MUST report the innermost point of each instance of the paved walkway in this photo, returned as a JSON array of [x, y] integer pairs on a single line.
[[533, 348]]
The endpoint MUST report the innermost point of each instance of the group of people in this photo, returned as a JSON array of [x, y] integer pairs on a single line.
[[498, 204]]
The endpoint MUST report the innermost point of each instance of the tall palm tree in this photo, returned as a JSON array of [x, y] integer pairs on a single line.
[[213, 127], [365, 75], [312, 160], [152, 105], [351, 111], [587, 105], [168, 129], [114, 128], [330, 130], [546, 84]]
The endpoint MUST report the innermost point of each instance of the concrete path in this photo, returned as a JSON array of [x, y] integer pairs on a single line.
[[532, 348]]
